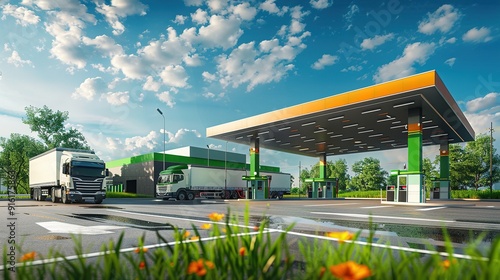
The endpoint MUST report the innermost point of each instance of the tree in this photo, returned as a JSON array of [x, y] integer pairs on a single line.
[[429, 169], [14, 159], [368, 175], [49, 126], [478, 157]]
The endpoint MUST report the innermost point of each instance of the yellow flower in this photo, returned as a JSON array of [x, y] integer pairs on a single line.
[[216, 217], [140, 249], [28, 257], [350, 271], [142, 265], [206, 226], [195, 238], [200, 267], [341, 236]]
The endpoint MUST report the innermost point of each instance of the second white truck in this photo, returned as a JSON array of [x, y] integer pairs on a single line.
[[67, 175], [185, 182]]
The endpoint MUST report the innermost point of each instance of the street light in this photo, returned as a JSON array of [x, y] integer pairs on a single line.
[[161, 113], [208, 162]]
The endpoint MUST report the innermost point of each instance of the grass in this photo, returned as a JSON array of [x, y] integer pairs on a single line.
[[224, 249], [457, 194]]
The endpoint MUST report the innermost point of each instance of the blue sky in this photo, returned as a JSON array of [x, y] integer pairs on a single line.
[[207, 62]]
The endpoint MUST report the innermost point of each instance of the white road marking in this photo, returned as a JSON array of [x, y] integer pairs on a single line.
[[432, 208], [60, 227], [384, 217], [331, 204], [373, 207]]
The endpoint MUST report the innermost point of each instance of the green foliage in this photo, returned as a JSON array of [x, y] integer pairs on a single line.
[[14, 158], [368, 175], [227, 250], [50, 127]]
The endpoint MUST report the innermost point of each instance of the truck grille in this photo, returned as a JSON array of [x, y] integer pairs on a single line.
[[87, 186]]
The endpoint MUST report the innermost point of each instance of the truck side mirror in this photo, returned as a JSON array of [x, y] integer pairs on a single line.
[[106, 172], [65, 168]]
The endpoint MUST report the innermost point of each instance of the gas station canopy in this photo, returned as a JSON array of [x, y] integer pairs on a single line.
[[367, 119]]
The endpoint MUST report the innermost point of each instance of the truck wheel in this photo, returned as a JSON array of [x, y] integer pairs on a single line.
[[64, 197], [190, 196], [234, 195], [98, 200], [53, 195], [181, 195]]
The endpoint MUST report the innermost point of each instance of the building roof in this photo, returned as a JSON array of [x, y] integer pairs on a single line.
[[366, 119]]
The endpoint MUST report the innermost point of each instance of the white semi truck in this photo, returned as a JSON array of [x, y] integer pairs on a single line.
[[67, 175], [185, 182]]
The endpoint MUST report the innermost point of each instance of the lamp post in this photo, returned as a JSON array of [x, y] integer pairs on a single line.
[[161, 113], [208, 158], [225, 170]]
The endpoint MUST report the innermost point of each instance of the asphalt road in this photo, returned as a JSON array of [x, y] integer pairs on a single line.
[[45, 226]]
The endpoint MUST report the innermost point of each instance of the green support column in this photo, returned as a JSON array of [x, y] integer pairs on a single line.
[[415, 177], [254, 158], [322, 166], [414, 140], [444, 161]]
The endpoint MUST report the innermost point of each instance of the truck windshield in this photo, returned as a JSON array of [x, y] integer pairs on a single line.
[[87, 169]]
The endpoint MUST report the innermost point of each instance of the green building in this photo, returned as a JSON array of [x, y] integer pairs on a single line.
[[139, 174]]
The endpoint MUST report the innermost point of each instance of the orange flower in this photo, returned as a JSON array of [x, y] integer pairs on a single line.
[[341, 236], [206, 226], [242, 251], [140, 249], [186, 234], [200, 267], [256, 228], [142, 265], [350, 271], [28, 257], [322, 272], [447, 263], [195, 238], [216, 217]]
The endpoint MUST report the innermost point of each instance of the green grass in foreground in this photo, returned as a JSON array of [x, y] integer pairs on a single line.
[[222, 249]]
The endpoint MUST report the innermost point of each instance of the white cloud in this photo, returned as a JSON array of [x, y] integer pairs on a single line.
[[450, 61], [151, 84], [105, 45], [271, 7], [167, 98], [216, 5], [475, 35], [193, 60], [442, 19], [245, 11], [139, 143], [117, 98], [23, 16], [320, 4], [181, 134], [353, 9], [209, 95], [325, 60], [352, 68], [132, 66], [193, 2], [17, 61], [175, 76], [490, 100], [452, 40], [200, 16], [171, 50], [403, 66], [120, 9], [208, 76], [220, 32], [372, 43], [89, 88], [180, 19]]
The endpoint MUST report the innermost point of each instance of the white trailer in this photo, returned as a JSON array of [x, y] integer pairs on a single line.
[[185, 182], [67, 175]]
